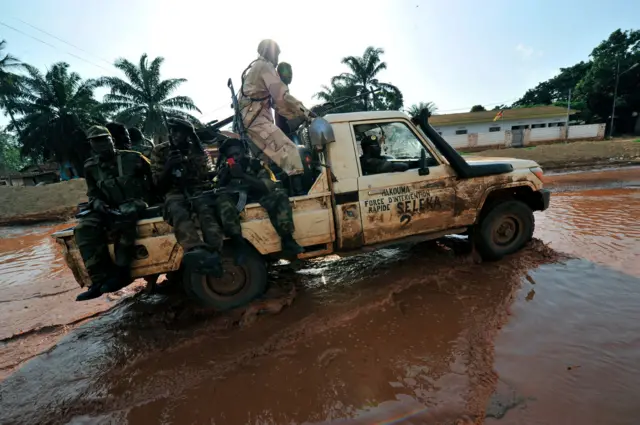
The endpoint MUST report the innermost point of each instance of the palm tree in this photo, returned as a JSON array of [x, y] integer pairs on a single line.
[[363, 76], [415, 109], [9, 82], [142, 99], [54, 109], [336, 93]]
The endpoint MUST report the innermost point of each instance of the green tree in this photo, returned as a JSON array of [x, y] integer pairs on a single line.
[[477, 108], [10, 158], [142, 98], [619, 55], [363, 77], [9, 81], [54, 110], [414, 110], [336, 93], [555, 89]]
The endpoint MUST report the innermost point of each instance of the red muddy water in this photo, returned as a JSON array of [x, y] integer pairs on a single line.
[[414, 334]]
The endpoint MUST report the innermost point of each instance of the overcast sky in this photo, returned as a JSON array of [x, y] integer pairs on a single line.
[[456, 53]]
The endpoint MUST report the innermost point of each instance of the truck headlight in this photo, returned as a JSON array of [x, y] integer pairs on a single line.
[[537, 171]]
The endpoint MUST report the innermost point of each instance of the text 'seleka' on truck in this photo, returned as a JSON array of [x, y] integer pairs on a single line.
[[490, 199]]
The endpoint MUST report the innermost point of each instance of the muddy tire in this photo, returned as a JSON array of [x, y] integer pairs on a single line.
[[239, 286], [504, 228]]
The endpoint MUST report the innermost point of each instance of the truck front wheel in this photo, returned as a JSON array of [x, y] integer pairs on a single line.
[[503, 229], [239, 286]]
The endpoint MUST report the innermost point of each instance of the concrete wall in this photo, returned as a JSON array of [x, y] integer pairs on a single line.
[[584, 131], [447, 130], [531, 136]]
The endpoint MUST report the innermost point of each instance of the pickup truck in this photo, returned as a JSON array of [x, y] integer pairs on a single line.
[[491, 200]]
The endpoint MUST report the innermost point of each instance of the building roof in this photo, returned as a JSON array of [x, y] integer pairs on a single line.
[[508, 115]]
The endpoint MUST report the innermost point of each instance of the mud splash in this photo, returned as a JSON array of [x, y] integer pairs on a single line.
[[412, 334]]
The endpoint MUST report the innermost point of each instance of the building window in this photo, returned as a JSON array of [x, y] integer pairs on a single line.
[[493, 129], [461, 132], [519, 127], [538, 125]]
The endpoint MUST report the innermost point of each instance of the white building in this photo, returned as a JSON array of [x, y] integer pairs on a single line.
[[515, 128], [512, 119]]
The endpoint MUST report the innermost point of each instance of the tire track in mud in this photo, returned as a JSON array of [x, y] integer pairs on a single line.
[[479, 358]]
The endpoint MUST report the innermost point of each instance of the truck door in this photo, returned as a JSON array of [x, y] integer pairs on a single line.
[[399, 204]]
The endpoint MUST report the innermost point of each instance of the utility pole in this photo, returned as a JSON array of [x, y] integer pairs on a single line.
[[615, 94], [566, 132]]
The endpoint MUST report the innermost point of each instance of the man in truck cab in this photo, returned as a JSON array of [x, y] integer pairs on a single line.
[[118, 186], [261, 90], [373, 162], [182, 171], [237, 167]]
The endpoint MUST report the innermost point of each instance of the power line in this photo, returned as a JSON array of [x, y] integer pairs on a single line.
[[65, 42], [55, 47]]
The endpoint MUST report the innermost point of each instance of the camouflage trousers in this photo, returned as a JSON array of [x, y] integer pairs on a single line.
[[277, 205], [91, 236], [217, 217], [273, 143]]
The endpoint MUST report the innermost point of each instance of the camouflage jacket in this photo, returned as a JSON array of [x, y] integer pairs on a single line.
[[196, 167], [125, 178], [144, 148]]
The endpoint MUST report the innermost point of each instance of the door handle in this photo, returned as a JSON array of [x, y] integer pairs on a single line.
[[436, 185]]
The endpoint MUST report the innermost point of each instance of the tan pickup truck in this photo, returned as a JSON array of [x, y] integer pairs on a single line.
[[490, 199]]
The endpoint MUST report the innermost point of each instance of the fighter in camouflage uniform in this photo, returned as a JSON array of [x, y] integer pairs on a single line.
[[182, 198], [140, 143], [261, 90], [118, 182], [264, 188]]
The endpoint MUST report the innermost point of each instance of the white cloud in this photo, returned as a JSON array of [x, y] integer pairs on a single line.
[[527, 52]]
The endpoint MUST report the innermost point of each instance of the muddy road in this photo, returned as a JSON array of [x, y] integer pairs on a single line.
[[414, 334]]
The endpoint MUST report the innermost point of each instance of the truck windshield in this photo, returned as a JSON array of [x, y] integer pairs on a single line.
[[397, 140]]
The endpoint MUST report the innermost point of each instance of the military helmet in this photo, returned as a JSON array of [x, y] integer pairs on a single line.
[[268, 48], [96, 131], [180, 124], [369, 140]]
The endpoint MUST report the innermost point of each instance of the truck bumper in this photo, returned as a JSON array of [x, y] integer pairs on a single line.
[[546, 198]]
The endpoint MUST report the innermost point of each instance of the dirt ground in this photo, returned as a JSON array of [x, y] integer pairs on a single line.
[[58, 201], [574, 154]]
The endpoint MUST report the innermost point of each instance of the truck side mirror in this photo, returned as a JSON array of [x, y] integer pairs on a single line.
[[423, 170]]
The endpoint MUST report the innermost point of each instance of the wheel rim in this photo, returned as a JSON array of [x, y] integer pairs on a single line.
[[233, 281], [506, 230]]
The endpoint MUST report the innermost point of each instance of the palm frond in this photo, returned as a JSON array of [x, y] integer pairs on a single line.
[[183, 102]]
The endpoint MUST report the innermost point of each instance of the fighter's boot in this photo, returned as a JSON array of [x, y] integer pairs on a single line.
[[112, 284], [202, 261], [240, 250], [90, 294], [290, 247]]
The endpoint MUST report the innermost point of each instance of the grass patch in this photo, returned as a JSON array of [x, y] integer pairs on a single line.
[[636, 141]]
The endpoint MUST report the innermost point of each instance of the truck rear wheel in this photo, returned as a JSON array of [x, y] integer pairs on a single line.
[[239, 286], [503, 229]]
